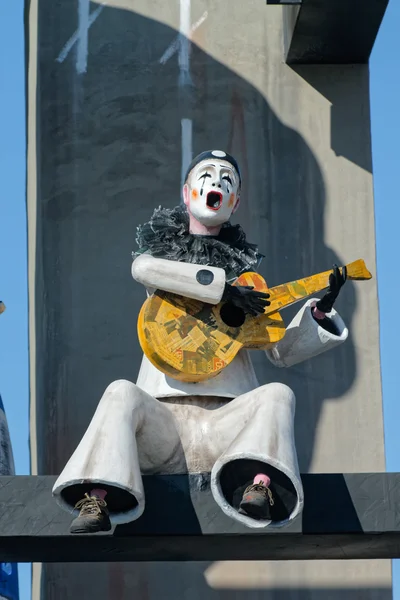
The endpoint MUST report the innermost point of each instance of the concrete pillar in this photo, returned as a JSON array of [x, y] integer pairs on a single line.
[[118, 102]]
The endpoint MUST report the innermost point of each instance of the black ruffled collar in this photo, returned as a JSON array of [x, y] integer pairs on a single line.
[[167, 236]]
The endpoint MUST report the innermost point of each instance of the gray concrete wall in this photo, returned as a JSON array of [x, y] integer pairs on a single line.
[[105, 147]]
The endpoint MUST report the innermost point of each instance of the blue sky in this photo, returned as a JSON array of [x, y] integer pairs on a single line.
[[385, 118], [385, 103]]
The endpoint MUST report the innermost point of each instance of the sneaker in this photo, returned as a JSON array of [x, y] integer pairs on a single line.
[[256, 501], [93, 516]]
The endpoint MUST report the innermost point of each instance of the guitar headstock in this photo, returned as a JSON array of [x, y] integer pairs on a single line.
[[358, 271]]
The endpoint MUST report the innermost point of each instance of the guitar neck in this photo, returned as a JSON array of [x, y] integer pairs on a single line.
[[294, 291]]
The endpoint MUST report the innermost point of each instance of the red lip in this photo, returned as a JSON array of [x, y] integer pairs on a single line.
[[214, 200]]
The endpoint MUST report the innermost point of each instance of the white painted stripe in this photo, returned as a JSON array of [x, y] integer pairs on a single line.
[[187, 149], [74, 38], [83, 42], [184, 43], [174, 46], [184, 25]]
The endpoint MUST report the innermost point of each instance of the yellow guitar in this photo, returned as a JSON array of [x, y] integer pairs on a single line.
[[192, 341]]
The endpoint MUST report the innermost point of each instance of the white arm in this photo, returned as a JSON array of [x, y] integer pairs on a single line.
[[192, 281], [305, 339]]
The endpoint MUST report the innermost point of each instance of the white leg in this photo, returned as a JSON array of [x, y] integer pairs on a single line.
[[258, 426], [130, 432]]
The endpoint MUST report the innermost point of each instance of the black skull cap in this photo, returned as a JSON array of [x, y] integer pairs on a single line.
[[210, 154]]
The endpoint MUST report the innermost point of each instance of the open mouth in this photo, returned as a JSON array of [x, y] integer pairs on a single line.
[[214, 200]]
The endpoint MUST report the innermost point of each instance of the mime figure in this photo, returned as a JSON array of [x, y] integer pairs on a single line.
[[230, 426]]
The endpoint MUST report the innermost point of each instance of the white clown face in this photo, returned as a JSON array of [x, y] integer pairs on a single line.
[[211, 192]]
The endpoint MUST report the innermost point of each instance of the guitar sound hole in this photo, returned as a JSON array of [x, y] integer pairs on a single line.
[[232, 315]]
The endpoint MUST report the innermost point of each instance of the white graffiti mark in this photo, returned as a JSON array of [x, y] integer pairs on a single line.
[[81, 36], [187, 152], [175, 46]]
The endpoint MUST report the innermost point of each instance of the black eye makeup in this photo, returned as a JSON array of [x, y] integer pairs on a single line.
[[227, 179], [204, 176]]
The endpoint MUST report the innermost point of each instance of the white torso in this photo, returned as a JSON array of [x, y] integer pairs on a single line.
[[237, 378]]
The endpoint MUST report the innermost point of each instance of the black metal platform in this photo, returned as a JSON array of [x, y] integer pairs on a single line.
[[345, 517], [331, 31]]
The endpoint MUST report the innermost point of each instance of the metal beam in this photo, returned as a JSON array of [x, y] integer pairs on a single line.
[[346, 517], [327, 32]]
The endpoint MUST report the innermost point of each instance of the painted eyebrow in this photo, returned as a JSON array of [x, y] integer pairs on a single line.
[[227, 177], [231, 172]]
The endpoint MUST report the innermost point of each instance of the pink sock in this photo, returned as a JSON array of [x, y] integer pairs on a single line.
[[263, 479], [318, 314], [99, 493]]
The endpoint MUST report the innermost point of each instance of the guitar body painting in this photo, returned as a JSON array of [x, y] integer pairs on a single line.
[[192, 341]]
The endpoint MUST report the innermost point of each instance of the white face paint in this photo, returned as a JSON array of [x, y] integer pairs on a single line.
[[211, 191]]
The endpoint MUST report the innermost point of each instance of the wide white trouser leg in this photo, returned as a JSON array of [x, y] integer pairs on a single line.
[[130, 432], [258, 426]]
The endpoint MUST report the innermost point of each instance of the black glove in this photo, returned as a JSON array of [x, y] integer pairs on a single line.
[[242, 296], [337, 280]]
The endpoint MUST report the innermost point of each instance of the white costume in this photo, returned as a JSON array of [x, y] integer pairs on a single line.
[[161, 425], [227, 425]]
